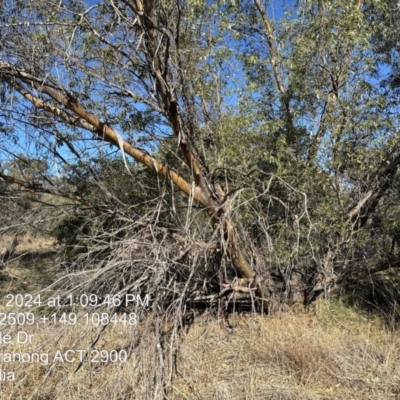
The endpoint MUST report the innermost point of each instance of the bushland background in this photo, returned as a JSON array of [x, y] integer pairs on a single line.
[[237, 162]]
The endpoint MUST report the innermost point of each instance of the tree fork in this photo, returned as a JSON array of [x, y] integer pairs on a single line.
[[159, 66]]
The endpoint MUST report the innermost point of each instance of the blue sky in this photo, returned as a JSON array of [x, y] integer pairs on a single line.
[[275, 10]]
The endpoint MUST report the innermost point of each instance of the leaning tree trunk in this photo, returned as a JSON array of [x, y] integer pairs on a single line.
[[68, 109]]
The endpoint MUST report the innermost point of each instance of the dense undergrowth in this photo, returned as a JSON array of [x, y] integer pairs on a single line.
[[346, 347]]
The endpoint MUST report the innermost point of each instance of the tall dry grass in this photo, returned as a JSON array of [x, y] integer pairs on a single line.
[[331, 352]]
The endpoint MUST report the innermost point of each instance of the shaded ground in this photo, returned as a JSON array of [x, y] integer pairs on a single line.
[[30, 267]]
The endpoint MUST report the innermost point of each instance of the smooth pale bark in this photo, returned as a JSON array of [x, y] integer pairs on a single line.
[[87, 120]]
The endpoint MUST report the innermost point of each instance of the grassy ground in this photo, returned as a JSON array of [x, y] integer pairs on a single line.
[[31, 267], [27, 243], [332, 351]]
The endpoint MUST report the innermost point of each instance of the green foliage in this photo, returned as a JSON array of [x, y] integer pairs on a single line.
[[30, 169], [71, 233]]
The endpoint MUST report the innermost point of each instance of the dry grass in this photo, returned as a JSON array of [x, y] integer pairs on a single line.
[[27, 243], [32, 265], [292, 357], [328, 353]]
